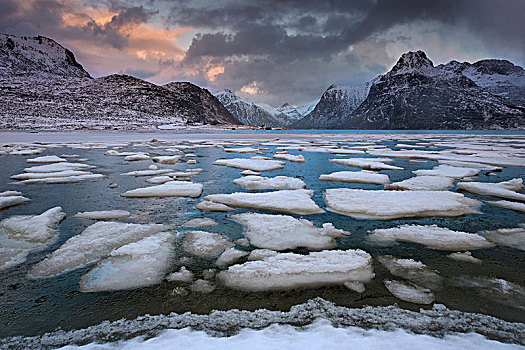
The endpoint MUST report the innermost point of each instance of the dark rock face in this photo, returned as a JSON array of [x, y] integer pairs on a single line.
[[489, 94], [43, 86]]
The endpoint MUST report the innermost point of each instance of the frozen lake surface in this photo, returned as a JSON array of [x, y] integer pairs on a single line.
[[427, 258]]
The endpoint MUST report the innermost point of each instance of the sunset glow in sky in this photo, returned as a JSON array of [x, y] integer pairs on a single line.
[[272, 51]]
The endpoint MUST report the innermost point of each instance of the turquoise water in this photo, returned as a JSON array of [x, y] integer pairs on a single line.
[[32, 307]]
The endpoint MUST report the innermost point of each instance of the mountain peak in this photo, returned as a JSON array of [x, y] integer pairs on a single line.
[[412, 61]]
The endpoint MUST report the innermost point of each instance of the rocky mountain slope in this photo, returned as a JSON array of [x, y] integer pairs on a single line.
[[260, 114], [415, 94], [43, 86]]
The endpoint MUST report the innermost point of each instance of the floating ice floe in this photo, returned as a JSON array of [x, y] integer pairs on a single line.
[[367, 163], [365, 177], [412, 270], [284, 201], [11, 198], [288, 271], [212, 206], [56, 167], [229, 257], [409, 292], [117, 153], [139, 264], [461, 164], [253, 164], [46, 159], [183, 275], [448, 171], [497, 290], [511, 237], [167, 159], [387, 205], [191, 161], [205, 244], [136, 157], [200, 222], [290, 157], [464, 257], [281, 232], [261, 254], [94, 242], [103, 214], [64, 180], [250, 173], [509, 205], [168, 189], [147, 172], [431, 236], [506, 189], [21, 235], [422, 183], [270, 183], [159, 179], [241, 150], [35, 176], [202, 286]]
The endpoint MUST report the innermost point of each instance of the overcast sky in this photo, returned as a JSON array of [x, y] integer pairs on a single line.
[[269, 51]]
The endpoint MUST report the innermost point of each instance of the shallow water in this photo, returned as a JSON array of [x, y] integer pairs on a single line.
[[31, 307]]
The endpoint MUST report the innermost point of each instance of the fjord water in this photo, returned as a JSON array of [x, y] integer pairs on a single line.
[[31, 307]]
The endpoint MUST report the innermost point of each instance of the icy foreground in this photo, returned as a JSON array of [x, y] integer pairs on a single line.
[[387, 205], [95, 242], [288, 271], [285, 201], [281, 232], [427, 329]]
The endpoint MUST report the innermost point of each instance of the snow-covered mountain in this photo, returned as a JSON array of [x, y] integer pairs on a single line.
[[334, 106], [43, 86], [499, 77], [415, 94], [259, 114]]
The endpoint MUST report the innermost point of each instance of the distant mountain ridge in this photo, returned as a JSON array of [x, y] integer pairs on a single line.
[[415, 94], [260, 114], [43, 86]]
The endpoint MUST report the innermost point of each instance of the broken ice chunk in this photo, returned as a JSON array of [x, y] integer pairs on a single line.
[[229, 257], [55, 167], [46, 159], [212, 206], [284, 201], [261, 254], [290, 157], [200, 222], [387, 205], [505, 189], [202, 286], [168, 189], [167, 159], [422, 183], [254, 164], [270, 183], [448, 171], [147, 172], [511, 237], [139, 264], [205, 244], [95, 242], [136, 157], [367, 163], [11, 198], [431, 236], [465, 257], [412, 270], [409, 292], [366, 177], [288, 271], [159, 179], [103, 214], [281, 232], [183, 275], [64, 180]]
